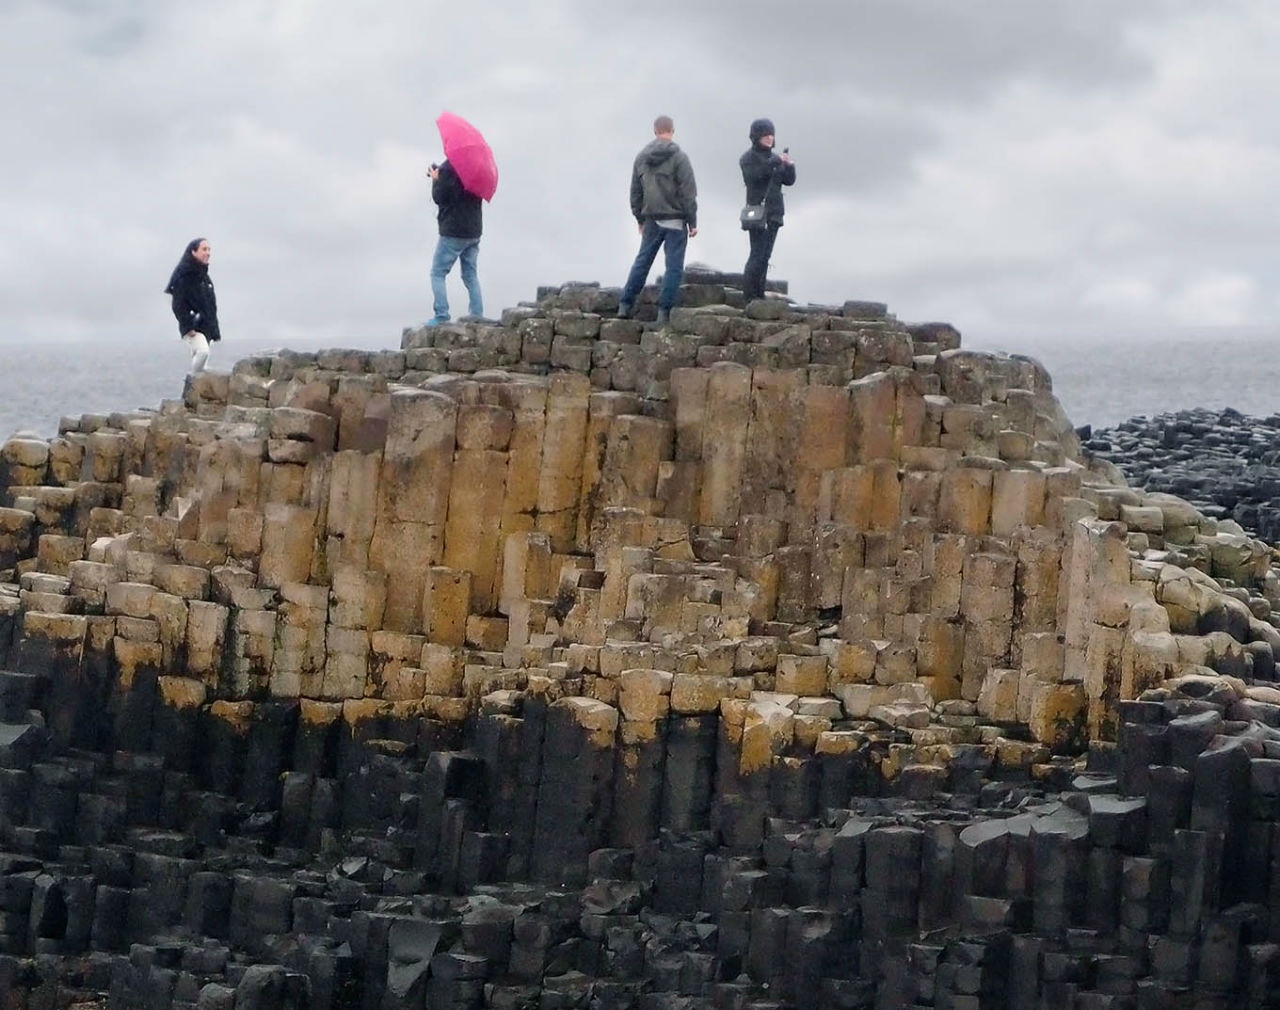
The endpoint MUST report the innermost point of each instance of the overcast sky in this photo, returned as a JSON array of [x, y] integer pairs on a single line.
[[1016, 167]]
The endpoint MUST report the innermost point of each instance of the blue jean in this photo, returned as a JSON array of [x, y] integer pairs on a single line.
[[447, 251], [651, 239]]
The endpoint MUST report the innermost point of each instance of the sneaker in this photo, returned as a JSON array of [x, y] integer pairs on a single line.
[[664, 317], [624, 311], [437, 320]]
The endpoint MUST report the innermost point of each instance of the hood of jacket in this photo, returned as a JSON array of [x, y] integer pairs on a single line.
[[659, 150]]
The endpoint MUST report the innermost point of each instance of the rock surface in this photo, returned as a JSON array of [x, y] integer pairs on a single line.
[[1225, 463]]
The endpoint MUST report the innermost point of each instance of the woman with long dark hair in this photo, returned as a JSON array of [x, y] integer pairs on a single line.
[[195, 305]]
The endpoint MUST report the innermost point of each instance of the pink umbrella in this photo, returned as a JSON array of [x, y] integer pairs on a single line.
[[469, 155]]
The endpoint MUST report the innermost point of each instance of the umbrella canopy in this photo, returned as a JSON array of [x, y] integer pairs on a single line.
[[469, 155]]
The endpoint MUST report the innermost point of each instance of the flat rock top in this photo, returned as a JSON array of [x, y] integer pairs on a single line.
[[10, 733]]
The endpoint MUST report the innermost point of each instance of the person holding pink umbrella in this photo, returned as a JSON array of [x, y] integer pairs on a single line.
[[460, 221], [467, 176]]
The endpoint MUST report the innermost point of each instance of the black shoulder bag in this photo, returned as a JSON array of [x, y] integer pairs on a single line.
[[753, 215]]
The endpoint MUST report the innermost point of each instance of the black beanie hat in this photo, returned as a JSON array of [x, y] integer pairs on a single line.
[[760, 128]]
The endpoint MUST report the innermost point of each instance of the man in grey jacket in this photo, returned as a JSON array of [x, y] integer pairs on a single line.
[[664, 200]]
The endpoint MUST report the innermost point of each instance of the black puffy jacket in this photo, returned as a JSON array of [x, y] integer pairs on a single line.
[[195, 305], [765, 172], [460, 214]]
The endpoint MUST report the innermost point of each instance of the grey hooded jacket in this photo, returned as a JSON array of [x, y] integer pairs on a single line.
[[662, 184]]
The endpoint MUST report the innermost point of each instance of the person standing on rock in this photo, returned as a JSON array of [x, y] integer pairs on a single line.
[[765, 173], [664, 202], [195, 305], [461, 221]]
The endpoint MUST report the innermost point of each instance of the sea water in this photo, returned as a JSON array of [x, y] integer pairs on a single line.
[[41, 384], [1103, 381]]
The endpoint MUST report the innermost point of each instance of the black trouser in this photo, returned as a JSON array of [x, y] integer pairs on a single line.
[[762, 240]]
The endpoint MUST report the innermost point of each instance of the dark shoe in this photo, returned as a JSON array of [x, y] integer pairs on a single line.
[[664, 317], [624, 311]]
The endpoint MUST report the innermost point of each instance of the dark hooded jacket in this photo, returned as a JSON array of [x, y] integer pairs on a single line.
[[765, 173], [460, 214], [195, 305], [662, 184]]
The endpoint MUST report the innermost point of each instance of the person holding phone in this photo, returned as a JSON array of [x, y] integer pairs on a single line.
[[460, 218], [764, 174]]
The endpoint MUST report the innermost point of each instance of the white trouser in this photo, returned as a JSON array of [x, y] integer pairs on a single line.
[[199, 348]]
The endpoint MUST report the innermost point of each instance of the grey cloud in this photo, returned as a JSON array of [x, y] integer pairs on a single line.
[[945, 52], [296, 135]]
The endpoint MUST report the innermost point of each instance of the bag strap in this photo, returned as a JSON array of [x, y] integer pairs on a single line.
[[767, 186]]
